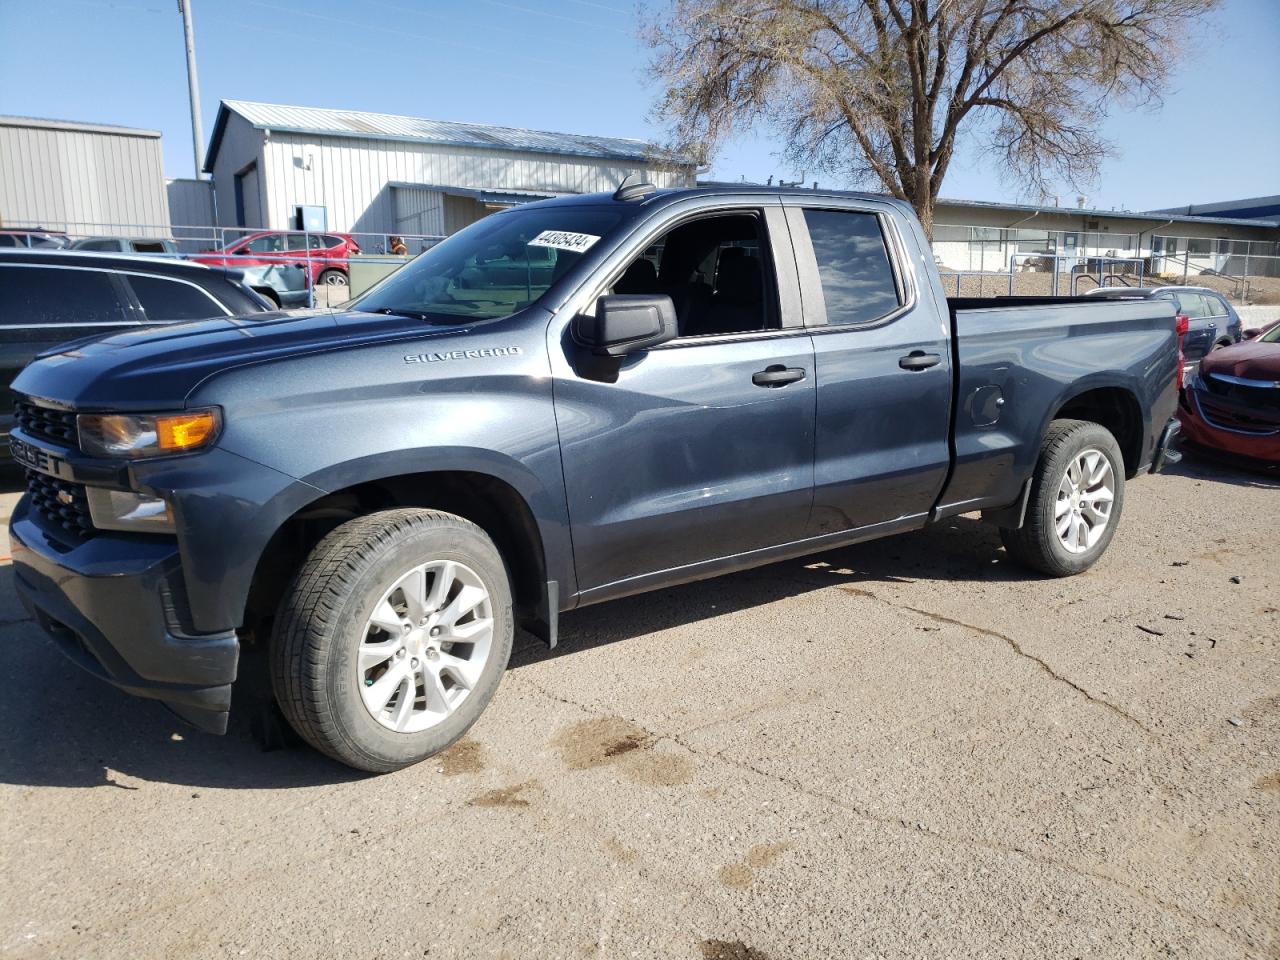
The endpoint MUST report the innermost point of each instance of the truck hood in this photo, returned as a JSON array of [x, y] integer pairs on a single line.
[[157, 367], [1249, 359]]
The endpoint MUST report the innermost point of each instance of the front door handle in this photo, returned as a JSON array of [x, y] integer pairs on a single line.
[[777, 376], [919, 360]]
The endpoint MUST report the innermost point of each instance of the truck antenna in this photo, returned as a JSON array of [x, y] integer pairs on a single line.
[[629, 190]]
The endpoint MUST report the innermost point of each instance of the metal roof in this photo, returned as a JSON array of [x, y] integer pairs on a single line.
[[494, 195], [1086, 212], [328, 122], [76, 127]]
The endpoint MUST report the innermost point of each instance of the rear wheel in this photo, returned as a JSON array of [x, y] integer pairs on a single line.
[[393, 638], [1077, 494]]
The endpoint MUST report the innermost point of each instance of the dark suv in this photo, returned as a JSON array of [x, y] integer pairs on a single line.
[[1212, 323], [50, 297]]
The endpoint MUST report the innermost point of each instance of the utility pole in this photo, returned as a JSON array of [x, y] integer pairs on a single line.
[[193, 87]]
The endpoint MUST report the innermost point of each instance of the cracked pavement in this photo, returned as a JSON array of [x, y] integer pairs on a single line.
[[907, 748]]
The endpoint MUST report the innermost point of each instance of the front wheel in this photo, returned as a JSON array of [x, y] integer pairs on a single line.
[[333, 278], [1077, 493], [393, 638]]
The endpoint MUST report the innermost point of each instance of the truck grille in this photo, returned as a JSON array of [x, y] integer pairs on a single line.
[[61, 505], [44, 423], [1233, 415]]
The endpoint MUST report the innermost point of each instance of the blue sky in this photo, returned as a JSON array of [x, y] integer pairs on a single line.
[[571, 65]]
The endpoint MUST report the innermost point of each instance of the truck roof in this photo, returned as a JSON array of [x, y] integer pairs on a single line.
[[659, 197]]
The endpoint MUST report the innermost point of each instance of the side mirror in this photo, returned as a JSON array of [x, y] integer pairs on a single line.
[[625, 323]]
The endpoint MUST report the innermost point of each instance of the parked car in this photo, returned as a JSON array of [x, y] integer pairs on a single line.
[[50, 297], [1252, 333], [328, 253], [127, 245], [282, 284], [1231, 404], [50, 239], [1212, 322], [702, 380]]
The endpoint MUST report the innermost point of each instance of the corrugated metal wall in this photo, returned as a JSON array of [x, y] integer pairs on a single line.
[[241, 146], [190, 203], [418, 210], [63, 177], [351, 177]]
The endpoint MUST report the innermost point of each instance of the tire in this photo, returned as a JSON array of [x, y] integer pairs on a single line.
[[325, 631], [269, 295], [1038, 543], [333, 278]]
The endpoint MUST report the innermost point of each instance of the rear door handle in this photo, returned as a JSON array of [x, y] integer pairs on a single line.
[[777, 376], [919, 360]]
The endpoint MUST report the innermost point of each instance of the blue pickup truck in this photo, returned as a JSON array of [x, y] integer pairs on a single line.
[[564, 403]]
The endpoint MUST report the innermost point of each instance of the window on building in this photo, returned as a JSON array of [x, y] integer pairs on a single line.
[[853, 263], [167, 301], [44, 295]]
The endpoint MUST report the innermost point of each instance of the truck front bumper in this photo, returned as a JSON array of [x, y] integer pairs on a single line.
[[114, 605]]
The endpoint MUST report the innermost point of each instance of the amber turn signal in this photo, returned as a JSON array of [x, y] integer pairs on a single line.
[[185, 431]]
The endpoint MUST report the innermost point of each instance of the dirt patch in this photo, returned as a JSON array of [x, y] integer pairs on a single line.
[[741, 875], [730, 950], [465, 756], [503, 796], [620, 851], [593, 743], [660, 769], [1270, 783]]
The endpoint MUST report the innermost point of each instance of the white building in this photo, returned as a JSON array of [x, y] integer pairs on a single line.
[[379, 173], [81, 177]]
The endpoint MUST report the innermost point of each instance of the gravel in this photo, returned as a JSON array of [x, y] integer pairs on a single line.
[[775, 764]]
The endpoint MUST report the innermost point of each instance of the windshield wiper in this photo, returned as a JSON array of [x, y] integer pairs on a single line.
[[403, 312]]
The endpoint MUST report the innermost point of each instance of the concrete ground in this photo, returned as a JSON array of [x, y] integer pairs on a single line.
[[909, 748]]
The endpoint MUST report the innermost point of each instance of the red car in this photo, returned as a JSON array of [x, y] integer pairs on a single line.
[[328, 254], [1232, 404]]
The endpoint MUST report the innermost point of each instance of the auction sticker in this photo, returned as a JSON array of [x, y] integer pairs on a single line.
[[564, 240]]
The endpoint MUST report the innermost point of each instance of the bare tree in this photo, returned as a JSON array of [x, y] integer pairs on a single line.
[[883, 90]]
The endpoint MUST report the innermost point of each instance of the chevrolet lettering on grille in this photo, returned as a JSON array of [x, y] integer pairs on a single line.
[[42, 461]]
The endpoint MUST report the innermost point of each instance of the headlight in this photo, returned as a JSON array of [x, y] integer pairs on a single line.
[[128, 511], [147, 434]]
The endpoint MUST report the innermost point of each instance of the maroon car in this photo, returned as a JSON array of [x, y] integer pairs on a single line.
[[1232, 403]]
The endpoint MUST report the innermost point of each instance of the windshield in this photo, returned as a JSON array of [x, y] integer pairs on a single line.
[[1272, 335], [493, 268]]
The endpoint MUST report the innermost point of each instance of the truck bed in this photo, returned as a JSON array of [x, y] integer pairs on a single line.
[[1021, 361]]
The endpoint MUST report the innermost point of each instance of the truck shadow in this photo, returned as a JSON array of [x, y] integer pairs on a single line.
[[65, 728]]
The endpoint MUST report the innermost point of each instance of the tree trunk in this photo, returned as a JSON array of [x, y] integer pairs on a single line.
[[922, 198]]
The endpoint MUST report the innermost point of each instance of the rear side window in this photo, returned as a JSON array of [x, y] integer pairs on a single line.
[[1193, 305], [853, 264], [166, 301], [148, 246], [55, 296], [113, 245], [1217, 306]]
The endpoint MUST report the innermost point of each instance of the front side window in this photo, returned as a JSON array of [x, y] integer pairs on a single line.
[[715, 270], [270, 243], [67, 297], [853, 264], [167, 301], [494, 267]]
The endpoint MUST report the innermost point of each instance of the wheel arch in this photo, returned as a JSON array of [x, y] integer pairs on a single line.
[[492, 502], [1113, 406]]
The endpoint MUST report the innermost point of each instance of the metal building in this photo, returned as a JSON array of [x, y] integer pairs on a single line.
[[72, 176], [380, 173]]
